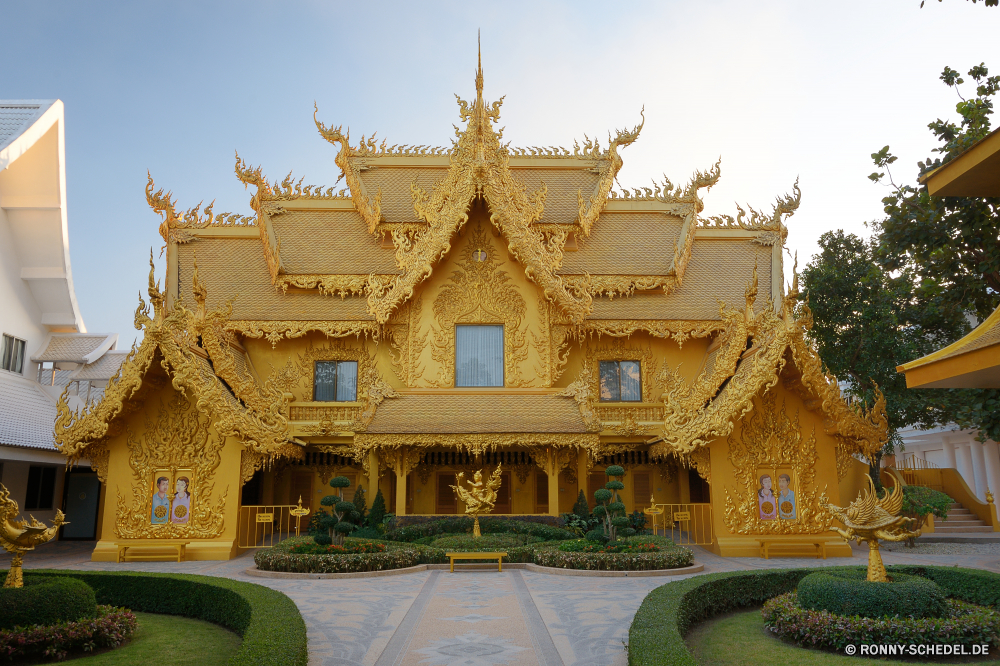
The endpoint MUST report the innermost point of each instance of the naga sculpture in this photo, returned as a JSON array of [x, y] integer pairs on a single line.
[[19, 536], [869, 519], [478, 498]]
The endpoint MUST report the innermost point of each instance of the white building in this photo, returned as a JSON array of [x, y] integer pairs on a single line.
[[44, 346], [977, 462]]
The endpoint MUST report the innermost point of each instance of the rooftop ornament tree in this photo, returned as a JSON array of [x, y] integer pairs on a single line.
[[610, 509], [338, 523]]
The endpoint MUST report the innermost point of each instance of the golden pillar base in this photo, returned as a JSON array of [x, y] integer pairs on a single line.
[[475, 528], [876, 570], [14, 576]]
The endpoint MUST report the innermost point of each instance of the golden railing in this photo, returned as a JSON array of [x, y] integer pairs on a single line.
[[914, 463], [263, 526], [685, 524], [320, 411]]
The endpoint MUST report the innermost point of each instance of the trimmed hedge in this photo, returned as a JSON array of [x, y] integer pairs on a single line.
[[487, 525], [272, 628], [46, 601], [409, 521], [667, 559], [110, 627], [667, 613], [850, 593], [960, 623], [396, 556]]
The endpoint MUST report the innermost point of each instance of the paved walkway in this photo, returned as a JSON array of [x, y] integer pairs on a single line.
[[477, 618]]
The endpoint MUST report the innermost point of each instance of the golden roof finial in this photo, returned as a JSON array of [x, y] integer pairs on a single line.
[[200, 292], [479, 70]]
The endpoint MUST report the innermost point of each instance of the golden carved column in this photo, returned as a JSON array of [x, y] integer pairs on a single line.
[[373, 474], [583, 473], [401, 474], [551, 467]]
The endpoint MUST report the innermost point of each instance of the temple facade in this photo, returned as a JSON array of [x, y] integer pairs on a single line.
[[457, 308]]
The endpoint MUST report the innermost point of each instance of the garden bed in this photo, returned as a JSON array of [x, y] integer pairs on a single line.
[[269, 623], [281, 558], [656, 635]]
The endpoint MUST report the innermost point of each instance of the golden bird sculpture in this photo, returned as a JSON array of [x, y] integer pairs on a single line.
[[19, 536], [478, 499], [869, 519]]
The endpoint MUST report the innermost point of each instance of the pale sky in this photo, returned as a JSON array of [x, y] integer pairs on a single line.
[[779, 90]]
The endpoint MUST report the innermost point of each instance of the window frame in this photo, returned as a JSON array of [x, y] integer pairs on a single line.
[[503, 355], [618, 369], [38, 501], [336, 382], [15, 344]]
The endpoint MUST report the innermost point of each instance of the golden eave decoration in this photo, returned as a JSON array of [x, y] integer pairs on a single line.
[[183, 341]]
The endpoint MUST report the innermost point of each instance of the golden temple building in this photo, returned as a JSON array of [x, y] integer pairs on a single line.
[[456, 308]]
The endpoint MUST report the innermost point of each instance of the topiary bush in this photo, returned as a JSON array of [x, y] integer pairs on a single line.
[[343, 517], [46, 601], [610, 509], [376, 516], [850, 593]]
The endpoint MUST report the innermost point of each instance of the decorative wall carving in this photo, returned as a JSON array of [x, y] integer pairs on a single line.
[[769, 439], [479, 292], [179, 438]]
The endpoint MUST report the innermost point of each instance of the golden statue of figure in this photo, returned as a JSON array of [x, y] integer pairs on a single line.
[[478, 498], [869, 519], [19, 536]]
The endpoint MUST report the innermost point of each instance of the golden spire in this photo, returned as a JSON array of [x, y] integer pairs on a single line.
[[479, 70]]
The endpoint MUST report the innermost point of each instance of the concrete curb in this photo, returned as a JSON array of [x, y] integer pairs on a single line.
[[257, 573]]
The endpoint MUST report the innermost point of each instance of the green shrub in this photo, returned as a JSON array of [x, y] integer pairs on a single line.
[[395, 556], [581, 509], [620, 546], [367, 532], [487, 525], [360, 503], [667, 613], [273, 631], [377, 515], [331, 549], [850, 593], [463, 542], [45, 601], [919, 501], [959, 623], [601, 561], [110, 627]]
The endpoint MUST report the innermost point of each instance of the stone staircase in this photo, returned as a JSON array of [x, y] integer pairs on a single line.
[[960, 521]]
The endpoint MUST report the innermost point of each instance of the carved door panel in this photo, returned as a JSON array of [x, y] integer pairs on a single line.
[[302, 486], [641, 491], [503, 494], [595, 482]]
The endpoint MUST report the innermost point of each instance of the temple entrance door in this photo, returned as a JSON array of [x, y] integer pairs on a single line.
[[595, 482], [80, 500], [541, 492], [700, 490], [302, 486], [502, 504], [642, 490], [446, 500]]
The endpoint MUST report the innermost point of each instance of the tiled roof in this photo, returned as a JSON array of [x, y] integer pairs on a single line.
[[626, 243], [101, 369], [28, 414], [492, 413], [720, 270], [330, 242], [73, 347], [235, 267], [17, 116]]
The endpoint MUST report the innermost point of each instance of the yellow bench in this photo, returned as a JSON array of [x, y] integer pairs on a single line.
[[498, 556], [177, 544], [767, 544]]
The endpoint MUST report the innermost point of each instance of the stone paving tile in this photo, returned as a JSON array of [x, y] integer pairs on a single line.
[[476, 617]]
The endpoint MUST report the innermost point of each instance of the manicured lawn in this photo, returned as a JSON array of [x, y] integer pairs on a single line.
[[169, 639], [739, 639]]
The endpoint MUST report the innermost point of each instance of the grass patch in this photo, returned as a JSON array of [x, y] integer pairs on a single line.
[[740, 639], [169, 639]]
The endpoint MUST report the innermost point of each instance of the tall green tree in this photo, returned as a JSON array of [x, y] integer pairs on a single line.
[[950, 245], [866, 321]]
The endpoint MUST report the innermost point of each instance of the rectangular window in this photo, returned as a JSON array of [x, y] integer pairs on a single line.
[[620, 381], [336, 381], [479, 356], [41, 488], [12, 354]]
